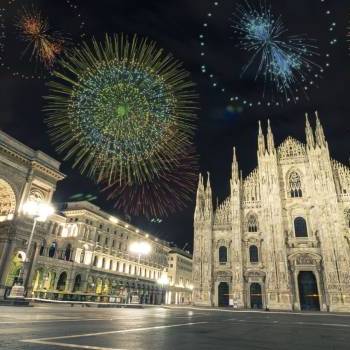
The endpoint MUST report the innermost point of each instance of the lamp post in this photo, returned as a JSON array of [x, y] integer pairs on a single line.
[[39, 212], [141, 249]]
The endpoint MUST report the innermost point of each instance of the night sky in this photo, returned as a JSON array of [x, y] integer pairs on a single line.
[[176, 26]]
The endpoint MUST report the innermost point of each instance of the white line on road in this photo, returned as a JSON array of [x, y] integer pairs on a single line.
[[113, 332], [74, 346]]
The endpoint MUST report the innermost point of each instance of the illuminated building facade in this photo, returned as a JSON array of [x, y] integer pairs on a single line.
[[281, 239], [180, 286], [81, 252]]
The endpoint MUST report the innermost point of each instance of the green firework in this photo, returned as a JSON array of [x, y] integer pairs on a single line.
[[121, 109]]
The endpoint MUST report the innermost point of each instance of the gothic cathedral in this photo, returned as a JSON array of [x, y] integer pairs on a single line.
[[281, 240]]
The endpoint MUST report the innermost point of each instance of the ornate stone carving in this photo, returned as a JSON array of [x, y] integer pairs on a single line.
[[305, 259], [223, 213], [7, 199], [291, 148]]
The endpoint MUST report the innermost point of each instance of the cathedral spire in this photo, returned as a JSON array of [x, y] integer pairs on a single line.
[[200, 189], [261, 141], [208, 198], [235, 169], [310, 140], [320, 138], [200, 199], [270, 138]]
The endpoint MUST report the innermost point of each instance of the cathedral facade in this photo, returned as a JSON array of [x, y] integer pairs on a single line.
[[281, 240]]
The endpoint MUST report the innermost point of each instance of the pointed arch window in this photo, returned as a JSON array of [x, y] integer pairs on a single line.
[[295, 186], [252, 223], [222, 255], [300, 227]]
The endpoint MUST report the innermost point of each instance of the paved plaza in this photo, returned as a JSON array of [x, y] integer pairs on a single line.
[[52, 327]]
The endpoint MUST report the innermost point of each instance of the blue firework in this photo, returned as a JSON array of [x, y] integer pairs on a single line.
[[284, 62]]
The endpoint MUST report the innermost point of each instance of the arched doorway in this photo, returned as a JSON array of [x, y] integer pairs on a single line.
[[223, 293], [91, 285], [256, 301], [77, 283], [308, 291], [61, 284]]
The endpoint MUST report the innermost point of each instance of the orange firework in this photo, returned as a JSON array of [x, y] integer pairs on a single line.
[[35, 30]]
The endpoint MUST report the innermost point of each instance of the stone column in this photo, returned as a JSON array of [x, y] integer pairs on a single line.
[[28, 279], [296, 290], [5, 260]]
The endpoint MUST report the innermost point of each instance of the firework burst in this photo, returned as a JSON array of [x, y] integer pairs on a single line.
[[122, 109], [170, 191], [44, 44], [286, 62]]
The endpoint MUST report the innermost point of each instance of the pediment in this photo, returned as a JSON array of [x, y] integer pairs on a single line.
[[291, 148]]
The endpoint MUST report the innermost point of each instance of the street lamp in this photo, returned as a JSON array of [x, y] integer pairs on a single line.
[[39, 212], [141, 249]]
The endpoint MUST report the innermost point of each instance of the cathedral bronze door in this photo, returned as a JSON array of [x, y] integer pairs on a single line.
[[223, 292], [308, 291], [256, 301]]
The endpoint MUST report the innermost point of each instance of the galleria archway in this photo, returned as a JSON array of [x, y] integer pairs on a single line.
[[7, 199]]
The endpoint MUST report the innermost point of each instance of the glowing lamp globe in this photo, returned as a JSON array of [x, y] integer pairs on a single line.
[[38, 210], [140, 248]]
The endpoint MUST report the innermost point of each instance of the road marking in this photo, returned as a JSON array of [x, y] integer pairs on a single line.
[[335, 325], [322, 324], [74, 346], [112, 332]]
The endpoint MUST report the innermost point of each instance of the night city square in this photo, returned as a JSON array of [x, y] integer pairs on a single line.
[[174, 174]]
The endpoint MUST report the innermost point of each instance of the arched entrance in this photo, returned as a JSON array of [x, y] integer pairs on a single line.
[[90, 285], [7, 200], [223, 293], [77, 283], [61, 284], [308, 291], [256, 301]]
